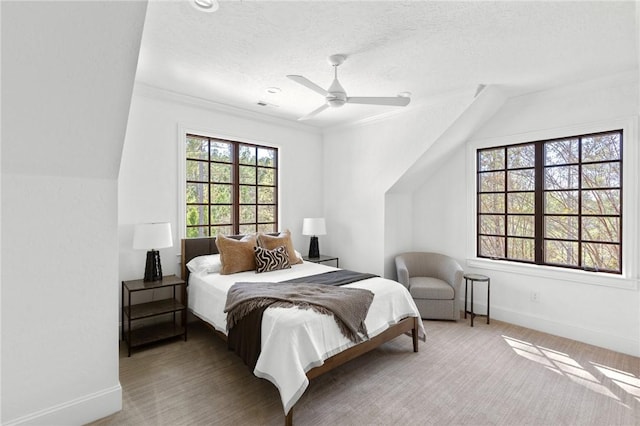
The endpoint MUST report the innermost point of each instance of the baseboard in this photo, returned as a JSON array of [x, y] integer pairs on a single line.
[[569, 331], [76, 412]]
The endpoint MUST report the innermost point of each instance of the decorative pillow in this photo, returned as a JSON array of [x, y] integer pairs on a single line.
[[209, 264], [236, 255], [283, 239], [271, 260]]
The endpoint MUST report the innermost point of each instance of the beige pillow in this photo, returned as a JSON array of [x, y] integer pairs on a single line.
[[236, 255], [271, 242]]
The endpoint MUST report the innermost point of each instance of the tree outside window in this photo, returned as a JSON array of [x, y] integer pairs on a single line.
[[556, 202], [231, 187]]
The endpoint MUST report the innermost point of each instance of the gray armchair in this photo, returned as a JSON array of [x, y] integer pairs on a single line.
[[434, 281]]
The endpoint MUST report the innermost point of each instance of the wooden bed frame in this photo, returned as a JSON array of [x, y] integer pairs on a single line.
[[194, 247]]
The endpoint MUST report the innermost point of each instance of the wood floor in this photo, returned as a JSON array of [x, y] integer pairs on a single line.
[[496, 374]]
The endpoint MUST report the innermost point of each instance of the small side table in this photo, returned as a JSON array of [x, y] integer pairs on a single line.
[[475, 278], [167, 328], [321, 259]]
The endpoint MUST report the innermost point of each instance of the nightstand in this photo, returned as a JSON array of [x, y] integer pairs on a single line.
[[321, 259], [165, 311]]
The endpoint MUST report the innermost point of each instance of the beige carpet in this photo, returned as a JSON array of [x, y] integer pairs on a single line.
[[496, 374]]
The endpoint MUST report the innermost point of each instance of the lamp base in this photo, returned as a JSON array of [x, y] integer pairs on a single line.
[[153, 268], [314, 250]]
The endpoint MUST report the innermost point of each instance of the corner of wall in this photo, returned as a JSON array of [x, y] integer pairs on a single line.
[[399, 221]]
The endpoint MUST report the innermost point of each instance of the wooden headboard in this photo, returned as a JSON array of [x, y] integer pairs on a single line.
[[194, 247]]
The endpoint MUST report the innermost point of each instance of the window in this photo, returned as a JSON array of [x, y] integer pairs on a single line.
[[231, 187], [554, 202]]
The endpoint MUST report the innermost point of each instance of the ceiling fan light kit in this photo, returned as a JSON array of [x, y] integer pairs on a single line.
[[336, 96], [208, 6]]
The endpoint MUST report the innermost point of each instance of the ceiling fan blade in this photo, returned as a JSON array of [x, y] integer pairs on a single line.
[[308, 84], [394, 101], [314, 112]]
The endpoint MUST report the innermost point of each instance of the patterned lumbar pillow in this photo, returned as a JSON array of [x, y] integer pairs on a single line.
[[271, 260]]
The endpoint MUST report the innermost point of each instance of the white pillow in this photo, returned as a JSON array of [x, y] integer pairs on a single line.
[[209, 264]]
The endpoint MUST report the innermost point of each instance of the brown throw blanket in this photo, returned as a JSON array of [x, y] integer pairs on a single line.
[[349, 306], [248, 300]]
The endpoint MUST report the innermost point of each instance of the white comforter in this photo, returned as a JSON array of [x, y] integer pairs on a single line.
[[295, 340]]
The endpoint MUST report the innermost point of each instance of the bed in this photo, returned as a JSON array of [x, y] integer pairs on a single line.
[[319, 346]]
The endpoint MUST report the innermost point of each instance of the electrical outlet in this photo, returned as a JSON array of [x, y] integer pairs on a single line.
[[535, 296]]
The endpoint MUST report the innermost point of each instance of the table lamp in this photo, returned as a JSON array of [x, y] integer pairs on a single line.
[[152, 236], [314, 226]]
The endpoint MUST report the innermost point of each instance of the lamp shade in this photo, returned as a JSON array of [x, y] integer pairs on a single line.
[[313, 226], [152, 236]]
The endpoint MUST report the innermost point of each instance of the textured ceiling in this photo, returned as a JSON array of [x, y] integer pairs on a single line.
[[430, 49]]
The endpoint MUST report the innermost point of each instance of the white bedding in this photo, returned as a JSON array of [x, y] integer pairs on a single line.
[[316, 336]]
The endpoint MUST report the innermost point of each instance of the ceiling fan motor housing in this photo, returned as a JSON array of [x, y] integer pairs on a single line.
[[337, 95]]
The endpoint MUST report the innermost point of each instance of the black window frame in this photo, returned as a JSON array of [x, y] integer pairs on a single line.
[[540, 215], [236, 182]]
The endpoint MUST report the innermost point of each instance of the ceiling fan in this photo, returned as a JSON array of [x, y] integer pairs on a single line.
[[336, 96]]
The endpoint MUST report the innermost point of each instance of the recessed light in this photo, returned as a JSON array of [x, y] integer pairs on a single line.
[[273, 90], [206, 5]]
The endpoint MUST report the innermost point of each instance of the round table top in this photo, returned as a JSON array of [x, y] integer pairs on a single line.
[[476, 277]]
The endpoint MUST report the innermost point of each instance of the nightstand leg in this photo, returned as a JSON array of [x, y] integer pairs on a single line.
[[129, 326], [173, 315], [129, 334], [122, 312], [184, 312]]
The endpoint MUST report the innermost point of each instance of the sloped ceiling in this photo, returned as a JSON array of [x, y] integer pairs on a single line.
[[68, 71], [428, 48]]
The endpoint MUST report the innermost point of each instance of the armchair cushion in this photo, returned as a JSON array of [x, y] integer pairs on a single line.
[[430, 288]]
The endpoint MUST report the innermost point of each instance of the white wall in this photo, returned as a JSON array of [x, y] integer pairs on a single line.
[[602, 315], [148, 183], [59, 285], [439, 206], [67, 74], [362, 162], [0, 231]]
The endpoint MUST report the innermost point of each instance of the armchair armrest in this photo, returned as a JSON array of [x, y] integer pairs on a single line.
[[452, 272], [402, 271]]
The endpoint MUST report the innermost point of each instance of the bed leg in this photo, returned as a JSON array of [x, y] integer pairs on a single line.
[[288, 418], [414, 334]]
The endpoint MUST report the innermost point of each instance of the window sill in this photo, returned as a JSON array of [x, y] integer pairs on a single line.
[[549, 272]]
